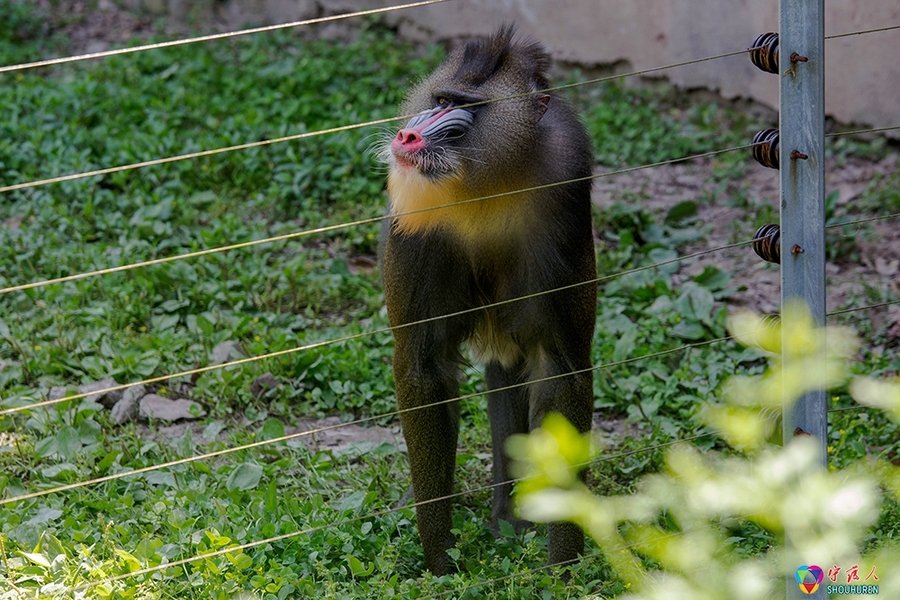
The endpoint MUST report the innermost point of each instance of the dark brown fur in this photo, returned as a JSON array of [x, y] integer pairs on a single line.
[[486, 252]]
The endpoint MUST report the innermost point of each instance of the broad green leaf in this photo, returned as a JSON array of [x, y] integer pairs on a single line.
[[358, 568], [56, 470], [68, 441], [205, 325], [625, 345], [681, 211], [353, 502], [271, 429], [245, 477], [46, 447], [713, 278], [160, 478], [131, 563], [216, 539], [45, 515], [36, 558], [689, 330], [240, 560]]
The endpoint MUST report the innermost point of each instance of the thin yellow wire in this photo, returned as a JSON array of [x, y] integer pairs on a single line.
[[861, 131], [279, 353], [360, 421], [328, 228], [257, 144], [207, 38], [191, 155], [299, 136], [864, 31], [862, 221], [374, 515]]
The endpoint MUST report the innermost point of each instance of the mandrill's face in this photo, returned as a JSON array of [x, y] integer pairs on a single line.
[[431, 141], [475, 132]]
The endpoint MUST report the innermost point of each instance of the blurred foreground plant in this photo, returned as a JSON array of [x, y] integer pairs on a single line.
[[682, 519]]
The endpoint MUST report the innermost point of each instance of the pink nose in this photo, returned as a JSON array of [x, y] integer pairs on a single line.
[[409, 140], [408, 136]]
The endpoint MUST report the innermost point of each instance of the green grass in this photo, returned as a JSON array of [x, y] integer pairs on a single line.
[[167, 318]]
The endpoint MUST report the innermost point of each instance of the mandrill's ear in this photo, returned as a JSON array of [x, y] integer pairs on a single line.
[[543, 101]]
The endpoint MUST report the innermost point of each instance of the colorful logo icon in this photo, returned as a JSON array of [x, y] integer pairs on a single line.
[[809, 577]]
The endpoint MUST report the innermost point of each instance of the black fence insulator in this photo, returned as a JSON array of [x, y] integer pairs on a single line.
[[764, 52], [765, 148], [767, 243]]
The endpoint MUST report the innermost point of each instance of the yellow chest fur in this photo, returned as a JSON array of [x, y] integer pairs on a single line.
[[419, 204]]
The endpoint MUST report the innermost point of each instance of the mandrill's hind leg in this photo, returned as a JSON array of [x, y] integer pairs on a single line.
[[508, 412], [431, 433], [571, 396]]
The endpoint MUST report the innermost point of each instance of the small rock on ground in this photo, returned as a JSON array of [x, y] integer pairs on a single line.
[[164, 409], [58, 392], [226, 352], [107, 399], [123, 411], [263, 384], [134, 393]]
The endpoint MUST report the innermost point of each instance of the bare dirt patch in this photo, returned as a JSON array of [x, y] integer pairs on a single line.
[[758, 284], [328, 434]]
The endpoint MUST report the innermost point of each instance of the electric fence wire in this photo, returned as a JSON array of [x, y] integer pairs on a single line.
[[360, 222], [845, 311], [360, 421], [864, 31], [323, 343], [363, 334], [211, 37], [372, 515], [370, 419], [338, 226], [299, 136]]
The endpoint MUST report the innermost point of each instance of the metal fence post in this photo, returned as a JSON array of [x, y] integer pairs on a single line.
[[802, 168], [802, 128]]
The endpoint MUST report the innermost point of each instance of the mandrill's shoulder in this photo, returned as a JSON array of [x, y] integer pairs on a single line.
[[565, 138]]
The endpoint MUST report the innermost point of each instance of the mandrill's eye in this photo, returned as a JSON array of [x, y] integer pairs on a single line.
[[447, 99]]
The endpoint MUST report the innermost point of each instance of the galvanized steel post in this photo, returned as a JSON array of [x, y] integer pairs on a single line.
[[802, 168], [802, 130]]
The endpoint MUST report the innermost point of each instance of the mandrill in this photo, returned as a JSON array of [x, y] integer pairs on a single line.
[[485, 127]]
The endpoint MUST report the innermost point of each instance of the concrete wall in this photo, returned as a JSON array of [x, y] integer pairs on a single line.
[[862, 72]]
